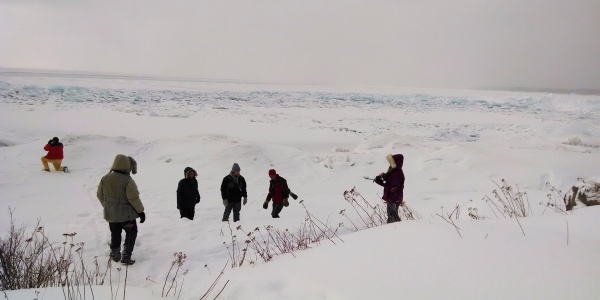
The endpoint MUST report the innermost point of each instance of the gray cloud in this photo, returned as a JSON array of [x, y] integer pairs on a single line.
[[430, 43]]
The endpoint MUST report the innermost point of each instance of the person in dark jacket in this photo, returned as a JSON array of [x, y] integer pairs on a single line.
[[187, 194], [278, 192], [233, 189], [120, 199], [55, 156], [393, 186]]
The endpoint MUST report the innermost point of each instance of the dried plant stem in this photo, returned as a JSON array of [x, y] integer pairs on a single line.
[[173, 281], [214, 283], [167, 279], [125, 283], [451, 223], [523, 231], [181, 288], [566, 221], [110, 279], [225, 285], [118, 283]]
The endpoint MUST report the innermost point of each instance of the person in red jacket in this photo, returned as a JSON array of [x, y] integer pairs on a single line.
[[54, 156], [278, 192], [393, 186]]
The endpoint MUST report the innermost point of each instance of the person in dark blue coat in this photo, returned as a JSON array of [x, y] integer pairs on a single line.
[[187, 194]]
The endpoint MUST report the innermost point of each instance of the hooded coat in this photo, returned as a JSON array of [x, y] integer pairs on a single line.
[[187, 191], [118, 193], [393, 180]]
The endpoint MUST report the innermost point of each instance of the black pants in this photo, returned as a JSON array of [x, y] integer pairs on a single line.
[[130, 228], [236, 207], [187, 213], [277, 207], [392, 212]]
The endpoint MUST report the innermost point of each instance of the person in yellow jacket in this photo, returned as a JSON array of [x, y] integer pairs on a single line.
[[120, 199]]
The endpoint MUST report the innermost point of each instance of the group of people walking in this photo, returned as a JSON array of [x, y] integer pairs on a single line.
[[120, 198], [233, 193]]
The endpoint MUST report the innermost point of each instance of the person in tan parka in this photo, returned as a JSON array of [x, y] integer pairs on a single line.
[[120, 199]]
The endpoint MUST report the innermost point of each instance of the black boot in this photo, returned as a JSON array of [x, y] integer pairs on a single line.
[[115, 254], [126, 256], [127, 261]]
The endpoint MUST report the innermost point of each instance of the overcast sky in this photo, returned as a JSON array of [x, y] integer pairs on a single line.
[[411, 43]]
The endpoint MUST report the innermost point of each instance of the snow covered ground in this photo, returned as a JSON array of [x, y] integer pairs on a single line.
[[324, 141]]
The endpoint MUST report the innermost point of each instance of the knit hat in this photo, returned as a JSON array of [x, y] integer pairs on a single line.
[[55, 139], [235, 168], [272, 172]]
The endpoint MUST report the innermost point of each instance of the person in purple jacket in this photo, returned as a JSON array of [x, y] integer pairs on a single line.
[[393, 186]]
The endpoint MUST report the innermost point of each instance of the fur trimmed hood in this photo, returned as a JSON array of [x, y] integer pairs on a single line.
[[125, 164], [121, 163], [187, 170], [396, 160]]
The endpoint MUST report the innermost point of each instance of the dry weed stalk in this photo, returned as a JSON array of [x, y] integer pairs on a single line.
[[214, 284], [267, 242], [555, 200], [178, 261], [33, 261], [448, 219], [370, 215], [509, 201]]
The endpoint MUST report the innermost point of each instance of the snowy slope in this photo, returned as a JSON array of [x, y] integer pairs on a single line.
[[323, 143]]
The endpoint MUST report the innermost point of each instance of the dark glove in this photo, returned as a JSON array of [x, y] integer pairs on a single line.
[[49, 142], [286, 203], [142, 217], [293, 195], [266, 205], [378, 180]]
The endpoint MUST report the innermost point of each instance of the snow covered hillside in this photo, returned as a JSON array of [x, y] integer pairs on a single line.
[[323, 141]]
